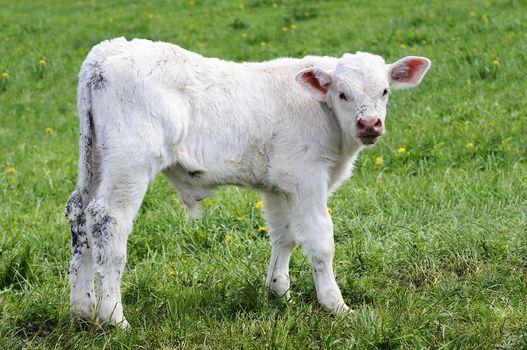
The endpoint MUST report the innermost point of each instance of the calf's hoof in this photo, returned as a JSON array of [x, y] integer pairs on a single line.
[[342, 311], [279, 287], [111, 323], [85, 312]]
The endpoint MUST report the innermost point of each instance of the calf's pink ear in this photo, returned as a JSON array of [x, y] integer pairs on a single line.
[[316, 81], [408, 72]]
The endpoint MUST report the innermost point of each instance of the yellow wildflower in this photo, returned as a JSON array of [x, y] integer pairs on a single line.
[[413, 49], [242, 7], [191, 2], [239, 217], [275, 5], [306, 14], [402, 46], [330, 211], [259, 205], [10, 170], [401, 150], [263, 43], [424, 42], [285, 29], [42, 62], [244, 35], [5, 75], [293, 26], [172, 273], [379, 161], [49, 131], [229, 239], [470, 145], [472, 14], [496, 62], [263, 229]]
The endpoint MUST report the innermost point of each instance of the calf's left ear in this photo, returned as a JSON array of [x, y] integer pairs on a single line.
[[408, 72], [316, 81]]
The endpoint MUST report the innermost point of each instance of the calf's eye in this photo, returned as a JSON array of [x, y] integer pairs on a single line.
[[385, 92], [343, 96]]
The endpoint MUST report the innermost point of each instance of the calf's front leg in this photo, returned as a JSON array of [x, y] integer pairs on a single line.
[[314, 230], [282, 242]]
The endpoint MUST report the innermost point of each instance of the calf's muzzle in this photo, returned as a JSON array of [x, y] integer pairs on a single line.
[[369, 129]]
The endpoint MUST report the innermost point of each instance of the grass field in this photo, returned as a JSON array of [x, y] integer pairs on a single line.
[[431, 244]]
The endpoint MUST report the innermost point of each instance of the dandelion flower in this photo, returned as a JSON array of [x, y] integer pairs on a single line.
[[263, 43], [413, 49], [401, 150], [259, 205], [379, 161], [42, 62], [5, 75], [293, 26], [242, 7], [330, 211], [285, 29], [470, 145], [402, 46], [424, 42], [49, 131], [496, 62], [229, 239], [172, 273], [10, 170], [244, 35], [472, 14], [275, 5], [263, 229]]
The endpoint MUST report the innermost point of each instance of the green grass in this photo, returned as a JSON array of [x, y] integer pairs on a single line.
[[431, 245]]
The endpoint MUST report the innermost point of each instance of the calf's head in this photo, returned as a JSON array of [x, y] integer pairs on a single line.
[[358, 89]]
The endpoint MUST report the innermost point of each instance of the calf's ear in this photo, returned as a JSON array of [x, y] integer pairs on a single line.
[[408, 72], [316, 81]]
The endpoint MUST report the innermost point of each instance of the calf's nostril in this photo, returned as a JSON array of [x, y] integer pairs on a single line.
[[360, 124], [379, 123]]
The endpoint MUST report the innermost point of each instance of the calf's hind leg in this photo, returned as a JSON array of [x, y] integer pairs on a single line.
[[82, 296], [109, 218]]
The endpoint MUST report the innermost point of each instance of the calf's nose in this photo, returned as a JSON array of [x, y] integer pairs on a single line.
[[369, 126]]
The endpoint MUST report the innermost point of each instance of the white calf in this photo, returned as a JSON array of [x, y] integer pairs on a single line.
[[147, 107]]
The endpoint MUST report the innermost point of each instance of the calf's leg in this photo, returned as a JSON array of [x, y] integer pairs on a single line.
[[313, 228], [282, 241], [82, 295], [109, 218]]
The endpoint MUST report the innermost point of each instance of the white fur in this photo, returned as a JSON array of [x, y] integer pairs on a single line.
[[149, 107]]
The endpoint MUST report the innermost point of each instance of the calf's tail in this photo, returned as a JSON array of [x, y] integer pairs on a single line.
[[87, 133]]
